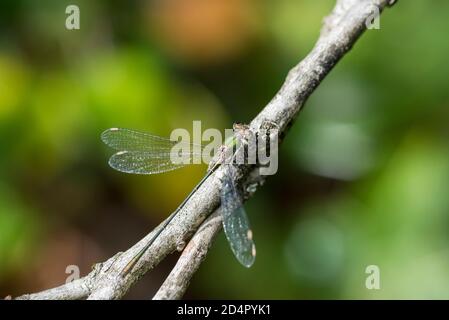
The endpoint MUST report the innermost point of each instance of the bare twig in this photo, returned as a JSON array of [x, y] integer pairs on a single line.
[[341, 30], [75, 290], [177, 282]]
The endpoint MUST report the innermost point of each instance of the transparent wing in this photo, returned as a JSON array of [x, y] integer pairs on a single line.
[[131, 140], [236, 224], [144, 153], [142, 162]]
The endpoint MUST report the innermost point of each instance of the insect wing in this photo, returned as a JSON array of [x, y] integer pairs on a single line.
[[236, 224], [144, 153], [142, 162]]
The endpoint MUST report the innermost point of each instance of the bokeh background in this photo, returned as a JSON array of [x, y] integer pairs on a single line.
[[363, 176]]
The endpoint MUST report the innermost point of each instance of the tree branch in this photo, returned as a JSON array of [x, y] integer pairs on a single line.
[[195, 252], [340, 31]]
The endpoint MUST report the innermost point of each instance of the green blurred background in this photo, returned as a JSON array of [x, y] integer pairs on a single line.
[[364, 172]]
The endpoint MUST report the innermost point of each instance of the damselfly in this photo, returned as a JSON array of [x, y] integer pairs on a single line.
[[144, 153]]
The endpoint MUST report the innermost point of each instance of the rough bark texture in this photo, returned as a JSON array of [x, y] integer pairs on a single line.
[[340, 31]]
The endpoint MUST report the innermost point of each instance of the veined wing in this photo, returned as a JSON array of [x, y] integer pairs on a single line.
[[131, 140], [142, 162], [236, 224], [144, 153]]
